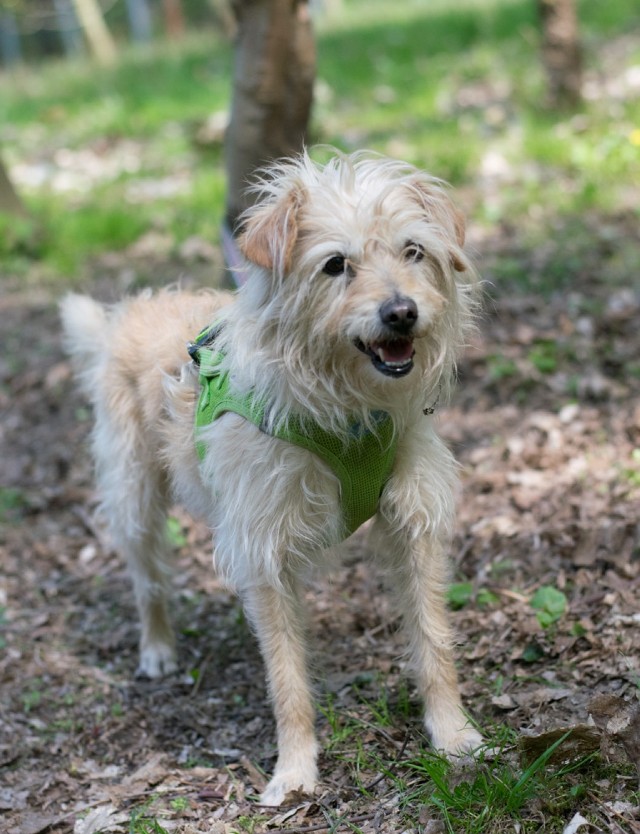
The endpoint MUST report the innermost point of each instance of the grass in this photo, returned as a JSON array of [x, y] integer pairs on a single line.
[[12, 503], [390, 77], [142, 822], [496, 793], [499, 790], [150, 87]]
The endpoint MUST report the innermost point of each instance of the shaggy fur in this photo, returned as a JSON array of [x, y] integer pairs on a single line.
[[357, 299]]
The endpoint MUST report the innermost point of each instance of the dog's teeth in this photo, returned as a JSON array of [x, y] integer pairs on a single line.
[[390, 362], [395, 354]]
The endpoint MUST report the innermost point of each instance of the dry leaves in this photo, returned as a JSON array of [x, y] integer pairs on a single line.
[[546, 424]]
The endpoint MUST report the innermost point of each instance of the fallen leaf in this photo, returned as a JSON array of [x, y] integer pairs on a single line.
[[106, 818], [257, 778], [582, 739], [505, 702], [279, 819], [33, 823], [57, 375], [151, 772], [541, 695], [13, 800], [576, 822], [619, 720]]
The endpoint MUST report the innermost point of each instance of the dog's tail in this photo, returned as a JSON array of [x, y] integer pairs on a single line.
[[85, 325]]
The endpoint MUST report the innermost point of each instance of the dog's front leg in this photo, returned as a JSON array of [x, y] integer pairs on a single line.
[[419, 571], [277, 616]]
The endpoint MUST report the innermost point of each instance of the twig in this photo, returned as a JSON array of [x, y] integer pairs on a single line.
[[504, 592], [201, 670], [378, 730], [391, 767]]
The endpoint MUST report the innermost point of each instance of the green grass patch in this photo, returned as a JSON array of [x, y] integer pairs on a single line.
[[494, 793], [141, 822], [501, 367], [501, 789], [32, 697], [150, 87], [13, 505], [88, 229]]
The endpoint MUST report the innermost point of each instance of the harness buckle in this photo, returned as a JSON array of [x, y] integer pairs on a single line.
[[205, 338]]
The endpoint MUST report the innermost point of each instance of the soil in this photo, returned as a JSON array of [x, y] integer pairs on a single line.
[[546, 425]]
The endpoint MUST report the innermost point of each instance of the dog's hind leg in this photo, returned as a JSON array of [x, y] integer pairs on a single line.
[[150, 570], [277, 616], [134, 501]]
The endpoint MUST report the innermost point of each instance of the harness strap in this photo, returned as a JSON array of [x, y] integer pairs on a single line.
[[362, 462]]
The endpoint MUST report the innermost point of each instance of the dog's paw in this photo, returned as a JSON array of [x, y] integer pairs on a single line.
[[156, 660], [288, 782], [460, 743], [454, 737]]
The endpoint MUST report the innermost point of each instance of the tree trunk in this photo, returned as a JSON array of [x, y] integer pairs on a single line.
[[561, 51], [9, 39], [98, 36], [68, 27], [272, 93], [140, 20], [10, 203], [173, 18]]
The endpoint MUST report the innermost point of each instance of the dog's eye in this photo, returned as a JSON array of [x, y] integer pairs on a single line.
[[413, 252], [335, 266]]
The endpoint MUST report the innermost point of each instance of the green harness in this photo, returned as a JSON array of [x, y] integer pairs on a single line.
[[362, 463]]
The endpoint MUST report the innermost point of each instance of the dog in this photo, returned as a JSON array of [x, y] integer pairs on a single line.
[[357, 300]]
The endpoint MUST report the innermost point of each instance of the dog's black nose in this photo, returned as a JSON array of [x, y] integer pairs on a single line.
[[400, 313]]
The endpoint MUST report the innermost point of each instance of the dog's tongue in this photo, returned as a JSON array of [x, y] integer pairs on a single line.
[[400, 350]]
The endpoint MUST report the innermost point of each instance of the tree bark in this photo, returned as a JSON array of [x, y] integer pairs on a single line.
[[561, 51], [274, 72], [10, 203], [10, 49], [174, 18], [98, 36], [140, 22], [68, 27]]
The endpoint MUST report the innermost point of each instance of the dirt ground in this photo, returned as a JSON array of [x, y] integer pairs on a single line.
[[546, 424]]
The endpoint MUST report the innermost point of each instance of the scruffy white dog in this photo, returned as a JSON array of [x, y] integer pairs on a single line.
[[306, 408]]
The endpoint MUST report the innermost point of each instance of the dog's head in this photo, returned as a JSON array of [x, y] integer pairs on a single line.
[[361, 273]]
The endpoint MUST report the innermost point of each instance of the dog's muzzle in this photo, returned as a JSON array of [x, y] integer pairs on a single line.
[[393, 354]]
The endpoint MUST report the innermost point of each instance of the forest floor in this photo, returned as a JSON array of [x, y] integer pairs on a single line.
[[546, 425]]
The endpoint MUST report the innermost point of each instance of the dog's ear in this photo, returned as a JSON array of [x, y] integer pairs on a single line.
[[270, 233], [437, 205]]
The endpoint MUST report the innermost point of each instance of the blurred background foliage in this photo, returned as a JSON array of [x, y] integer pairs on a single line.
[[110, 155]]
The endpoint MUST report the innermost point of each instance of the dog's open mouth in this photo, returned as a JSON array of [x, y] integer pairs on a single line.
[[393, 358]]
